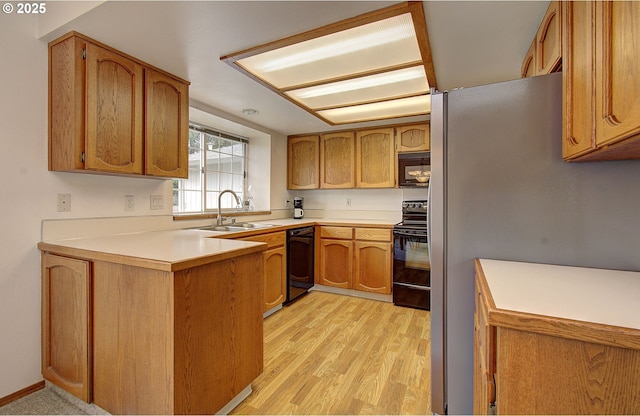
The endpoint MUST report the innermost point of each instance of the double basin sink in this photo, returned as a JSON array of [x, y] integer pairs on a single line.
[[240, 226]]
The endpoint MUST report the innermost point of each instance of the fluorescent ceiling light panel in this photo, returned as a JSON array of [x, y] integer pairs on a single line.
[[381, 56], [403, 107], [394, 84]]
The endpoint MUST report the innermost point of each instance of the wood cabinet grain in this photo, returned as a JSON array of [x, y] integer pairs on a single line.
[[549, 40], [303, 162], [545, 53], [365, 158], [578, 105], [356, 258], [167, 113], [111, 113], [114, 102], [275, 268], [375, 158], [571, 367], [528, 68], [336, 263], [413, 138], [67, 325], [136, 340], [337, 155], [373, 267], [601, 120]]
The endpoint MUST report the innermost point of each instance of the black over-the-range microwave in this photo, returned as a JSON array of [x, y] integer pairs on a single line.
[[414, 169]]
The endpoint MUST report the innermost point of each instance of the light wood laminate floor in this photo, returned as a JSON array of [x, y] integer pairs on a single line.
[[334, 354]]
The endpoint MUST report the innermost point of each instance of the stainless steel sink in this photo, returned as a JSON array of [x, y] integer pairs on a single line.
[[240, 226], [251, 225]]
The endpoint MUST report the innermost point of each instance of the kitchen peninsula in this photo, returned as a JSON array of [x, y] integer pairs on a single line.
[[573, 331], [166, 322]]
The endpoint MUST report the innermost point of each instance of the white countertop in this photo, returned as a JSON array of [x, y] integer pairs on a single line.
[[609, 297], [165, 250], [176, 249]]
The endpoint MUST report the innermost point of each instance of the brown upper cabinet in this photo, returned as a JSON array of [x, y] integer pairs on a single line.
[[337, 160], [352, 159], [529, 62], [303, 162], [413, 138], [545, 54], [111, 113], [601, 81], [375, 158]]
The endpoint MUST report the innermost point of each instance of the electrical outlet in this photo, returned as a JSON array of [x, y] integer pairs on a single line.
[[64, 202], [129, 202], [156, 202]]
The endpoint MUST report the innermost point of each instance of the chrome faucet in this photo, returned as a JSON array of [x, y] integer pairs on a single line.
[[219, 218]]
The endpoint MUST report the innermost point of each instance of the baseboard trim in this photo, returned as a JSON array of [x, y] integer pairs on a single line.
[[235, 401], [352, 292], [21, 393]]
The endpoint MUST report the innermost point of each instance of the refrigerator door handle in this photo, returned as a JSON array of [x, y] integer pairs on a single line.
[[429, 222]]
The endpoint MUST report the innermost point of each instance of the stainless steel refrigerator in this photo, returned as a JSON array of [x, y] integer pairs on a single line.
[[499, 189]]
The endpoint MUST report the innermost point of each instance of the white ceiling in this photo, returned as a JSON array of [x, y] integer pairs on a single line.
[[473, 43]]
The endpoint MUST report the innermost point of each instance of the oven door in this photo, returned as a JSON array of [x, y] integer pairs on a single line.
[[411, 269]]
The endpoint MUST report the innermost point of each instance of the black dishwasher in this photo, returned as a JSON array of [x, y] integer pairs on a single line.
[[299, 262]]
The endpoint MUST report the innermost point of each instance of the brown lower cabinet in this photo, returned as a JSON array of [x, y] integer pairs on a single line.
[[275, 267], [66, 324], [138, 340], [355, 258], [534, 364]]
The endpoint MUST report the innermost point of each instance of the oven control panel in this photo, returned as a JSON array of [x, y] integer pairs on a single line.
[[414, 206]]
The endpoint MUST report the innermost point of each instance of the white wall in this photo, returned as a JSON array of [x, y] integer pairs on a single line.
[[23, 126], [381, 204]]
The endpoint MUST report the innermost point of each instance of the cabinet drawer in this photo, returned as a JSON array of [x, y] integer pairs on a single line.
[[486, 333], [345, 233], [272, 239], [373, 234]]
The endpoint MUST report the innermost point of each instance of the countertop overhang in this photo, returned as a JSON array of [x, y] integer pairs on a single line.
[[596, 305]]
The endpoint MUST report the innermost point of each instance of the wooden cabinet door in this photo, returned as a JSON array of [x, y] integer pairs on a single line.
[[336, 263], [529, 62], [413, 138], [375, 159], [373, 262], [577, 78], [617, 71], [66, 105], [303, 162], [114, 118], [166, 126], [549, 40], [275, 267], [484, 394], [66, 324], [275, 277], [337, 160]]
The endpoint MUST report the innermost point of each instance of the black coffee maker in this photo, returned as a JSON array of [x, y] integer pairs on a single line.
[[298, 212]]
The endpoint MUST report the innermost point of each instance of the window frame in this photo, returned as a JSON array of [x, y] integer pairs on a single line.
[[178, 185]]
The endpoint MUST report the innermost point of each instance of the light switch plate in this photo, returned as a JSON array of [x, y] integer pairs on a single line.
[[157, 202]]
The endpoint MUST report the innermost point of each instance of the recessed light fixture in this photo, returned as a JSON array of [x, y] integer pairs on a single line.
[[250, 112], [370, 67]]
